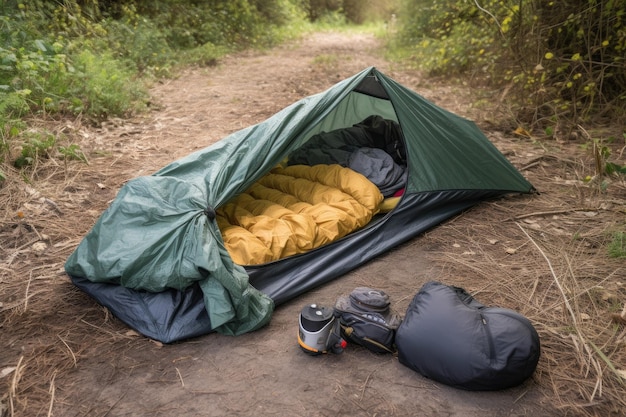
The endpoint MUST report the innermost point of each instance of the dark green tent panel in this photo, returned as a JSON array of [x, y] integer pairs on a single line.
[[156, 257]]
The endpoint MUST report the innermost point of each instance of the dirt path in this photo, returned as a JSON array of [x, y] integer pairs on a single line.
[[83, 362]]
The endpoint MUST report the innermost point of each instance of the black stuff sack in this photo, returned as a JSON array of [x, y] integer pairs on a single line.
[[367, 319], [448, 336]]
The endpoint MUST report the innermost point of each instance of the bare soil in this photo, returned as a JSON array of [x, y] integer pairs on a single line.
[[543, 255]]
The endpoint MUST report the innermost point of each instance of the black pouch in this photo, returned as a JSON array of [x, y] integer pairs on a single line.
[[367, 319]]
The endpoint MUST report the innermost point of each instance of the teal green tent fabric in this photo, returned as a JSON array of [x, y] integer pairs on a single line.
[[452, 152], [159, 233]]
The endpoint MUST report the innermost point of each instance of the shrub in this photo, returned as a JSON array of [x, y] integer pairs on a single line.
[[558, 60], [101, 87]]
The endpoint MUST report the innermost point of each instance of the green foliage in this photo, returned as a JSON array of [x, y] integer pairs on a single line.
[[95, 57], [617, 245], [601, 152], [37, 68], [232, 24], [613, 168], [72, 152], [318, 9], [59, 56], [13, 104], [449, 37], [349, 11], [36, 147], [204, 55], [581, 71], [139, 44], [558, 60], [10, 127], [40, 145], [102, 87]]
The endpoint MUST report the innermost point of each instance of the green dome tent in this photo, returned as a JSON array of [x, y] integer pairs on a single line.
[[156, 257]]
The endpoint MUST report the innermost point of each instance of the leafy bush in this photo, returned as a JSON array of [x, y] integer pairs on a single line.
[[447, 37], [101, 87], [140, 44], [92, 57], [584, 69], [558, 60]]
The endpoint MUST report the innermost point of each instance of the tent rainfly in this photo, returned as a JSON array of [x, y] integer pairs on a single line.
[[157, 257]]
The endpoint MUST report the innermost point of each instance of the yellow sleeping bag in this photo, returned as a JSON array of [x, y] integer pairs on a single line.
[[295, 209]]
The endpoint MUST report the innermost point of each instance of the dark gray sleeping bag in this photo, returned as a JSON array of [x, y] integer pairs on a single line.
[[450, 337]]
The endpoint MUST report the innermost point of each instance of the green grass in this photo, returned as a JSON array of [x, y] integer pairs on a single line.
[[617, 245]]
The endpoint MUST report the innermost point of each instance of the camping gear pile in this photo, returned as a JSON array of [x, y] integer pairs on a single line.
[[446, 335], [160, 258]]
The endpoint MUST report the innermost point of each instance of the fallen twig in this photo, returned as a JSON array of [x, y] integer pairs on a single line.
[[552, 212]]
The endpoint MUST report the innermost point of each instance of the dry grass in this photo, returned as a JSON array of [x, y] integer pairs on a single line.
[[45, 322], [548, 259]]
